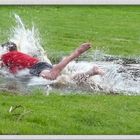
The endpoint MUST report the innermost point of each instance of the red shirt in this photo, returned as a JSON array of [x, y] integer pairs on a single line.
[[16, 61]]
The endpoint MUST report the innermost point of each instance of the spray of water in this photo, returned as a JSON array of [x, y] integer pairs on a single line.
[[118, 78], [27, 40]]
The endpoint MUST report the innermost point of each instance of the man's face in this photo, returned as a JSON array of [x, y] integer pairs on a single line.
[[9, 46]]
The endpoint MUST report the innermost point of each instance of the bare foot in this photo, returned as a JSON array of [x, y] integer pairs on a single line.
[[83, 48], [96, 71]]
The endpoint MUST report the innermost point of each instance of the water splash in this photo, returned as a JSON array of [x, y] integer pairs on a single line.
[[28, 40], [119, 77]]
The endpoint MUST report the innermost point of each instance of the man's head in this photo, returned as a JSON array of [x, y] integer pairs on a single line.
[[10, 46]]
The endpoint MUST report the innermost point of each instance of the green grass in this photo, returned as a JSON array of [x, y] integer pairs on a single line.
[[115, 29], [73, 114]]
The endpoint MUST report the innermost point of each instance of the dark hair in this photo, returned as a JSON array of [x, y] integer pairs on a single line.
[[10, 46]]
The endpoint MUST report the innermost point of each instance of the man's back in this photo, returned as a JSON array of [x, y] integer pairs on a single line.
[[15, 61]]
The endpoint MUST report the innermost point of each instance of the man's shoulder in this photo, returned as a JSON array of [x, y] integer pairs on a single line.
[[10, 53]]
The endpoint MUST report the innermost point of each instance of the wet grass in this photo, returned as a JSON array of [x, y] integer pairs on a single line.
[[115, 29], [72, 114]]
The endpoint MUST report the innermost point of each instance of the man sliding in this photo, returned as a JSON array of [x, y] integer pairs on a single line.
[[16, 61]]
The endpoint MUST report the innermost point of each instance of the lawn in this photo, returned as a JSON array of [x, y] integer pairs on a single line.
[[73, 114], [113, 29]]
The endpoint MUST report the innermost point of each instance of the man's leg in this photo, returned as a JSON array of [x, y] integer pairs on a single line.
[[56, 70], [82, 77]]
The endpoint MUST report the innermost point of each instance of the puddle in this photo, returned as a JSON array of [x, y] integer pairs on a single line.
[[122, 75]]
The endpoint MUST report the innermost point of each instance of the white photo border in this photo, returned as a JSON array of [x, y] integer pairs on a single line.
[[70, 2], [70, 137]]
